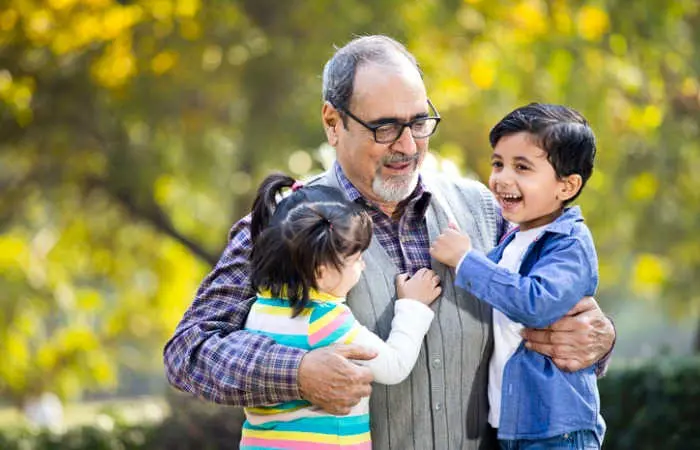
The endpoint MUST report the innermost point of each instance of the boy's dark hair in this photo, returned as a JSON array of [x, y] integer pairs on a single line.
[[560, 131], [292, 238]]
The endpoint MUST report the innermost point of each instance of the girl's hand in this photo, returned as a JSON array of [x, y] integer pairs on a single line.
[[424, 286]]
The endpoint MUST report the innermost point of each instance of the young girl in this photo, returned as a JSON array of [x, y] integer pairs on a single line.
[[307, 255]]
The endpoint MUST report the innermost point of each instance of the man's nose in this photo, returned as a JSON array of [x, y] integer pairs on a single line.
[[406, 143]]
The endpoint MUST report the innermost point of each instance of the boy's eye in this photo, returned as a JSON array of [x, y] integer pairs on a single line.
[[522, 167], [496, 164]]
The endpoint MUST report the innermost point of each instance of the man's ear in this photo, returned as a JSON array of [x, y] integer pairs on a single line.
[[569, 187], [331, 121]]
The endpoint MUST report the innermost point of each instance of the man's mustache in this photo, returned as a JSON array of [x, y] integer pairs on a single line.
[[399, 158]]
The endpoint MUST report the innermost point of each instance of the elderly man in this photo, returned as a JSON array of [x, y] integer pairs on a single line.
[[378, 117]]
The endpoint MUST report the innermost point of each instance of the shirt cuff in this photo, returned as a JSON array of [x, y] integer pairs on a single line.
[[280, 374], [601, 367], [459, 264]]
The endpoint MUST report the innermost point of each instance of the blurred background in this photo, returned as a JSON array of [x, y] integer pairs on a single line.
[[132, 135]]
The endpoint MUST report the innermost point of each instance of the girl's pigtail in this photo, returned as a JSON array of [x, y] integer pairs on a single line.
[[266, 201]]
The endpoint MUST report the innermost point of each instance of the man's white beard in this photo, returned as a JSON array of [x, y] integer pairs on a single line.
[[396, 188]]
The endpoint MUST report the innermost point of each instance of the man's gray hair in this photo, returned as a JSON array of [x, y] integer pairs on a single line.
[[339, 72]]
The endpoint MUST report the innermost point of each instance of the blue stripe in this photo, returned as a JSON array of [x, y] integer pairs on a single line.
[[290, 340], [341, 426]]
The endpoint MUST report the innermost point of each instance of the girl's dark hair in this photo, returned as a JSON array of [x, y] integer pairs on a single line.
[[294, 236]]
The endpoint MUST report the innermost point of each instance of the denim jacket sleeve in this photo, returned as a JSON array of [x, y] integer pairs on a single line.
[[563, 274]]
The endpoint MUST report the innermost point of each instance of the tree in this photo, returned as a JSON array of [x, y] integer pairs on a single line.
[[133, 133]]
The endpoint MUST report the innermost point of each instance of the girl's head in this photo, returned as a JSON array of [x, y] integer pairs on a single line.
[[311, 239]]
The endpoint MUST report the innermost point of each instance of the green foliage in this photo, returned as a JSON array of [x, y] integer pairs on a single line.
[[653, 406], [133, 133]]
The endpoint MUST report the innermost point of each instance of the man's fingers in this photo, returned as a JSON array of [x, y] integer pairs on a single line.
[[569, 365], [354, 351], [401, 278], [585, 304]]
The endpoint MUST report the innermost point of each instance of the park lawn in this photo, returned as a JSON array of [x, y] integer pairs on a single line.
[[102, 412]]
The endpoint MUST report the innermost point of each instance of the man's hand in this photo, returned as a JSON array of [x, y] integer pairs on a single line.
[[328, 380], [575, 341]]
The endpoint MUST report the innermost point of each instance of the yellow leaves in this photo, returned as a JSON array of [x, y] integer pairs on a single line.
[[61, 4], [17, 94], [643, 187], [649, 273], [645, 119], [529, 18], [13, 249], [482, 68], [592, 22], [39, 25], [163, 62], [116, 65], [116, 21], [187, 8], [8, 19], [482, 73]]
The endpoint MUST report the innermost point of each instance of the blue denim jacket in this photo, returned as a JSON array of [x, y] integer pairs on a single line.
[[559, 268]]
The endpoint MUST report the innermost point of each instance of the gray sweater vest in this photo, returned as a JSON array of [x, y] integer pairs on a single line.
[[443, 404]]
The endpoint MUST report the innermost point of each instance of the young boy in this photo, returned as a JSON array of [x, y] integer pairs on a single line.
[[542, 157]]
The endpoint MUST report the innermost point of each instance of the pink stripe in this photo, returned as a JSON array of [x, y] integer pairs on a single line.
[[298, 445], [328, 329]]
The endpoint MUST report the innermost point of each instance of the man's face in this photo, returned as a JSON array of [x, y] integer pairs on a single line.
[[383, 173]]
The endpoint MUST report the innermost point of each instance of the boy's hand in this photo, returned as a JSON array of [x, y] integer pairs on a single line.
[[424, 286], [450, 246]]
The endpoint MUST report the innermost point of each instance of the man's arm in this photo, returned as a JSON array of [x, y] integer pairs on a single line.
[[585, 336], [212, 357]]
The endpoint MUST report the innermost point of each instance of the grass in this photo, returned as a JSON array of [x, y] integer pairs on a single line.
[[104, 412]]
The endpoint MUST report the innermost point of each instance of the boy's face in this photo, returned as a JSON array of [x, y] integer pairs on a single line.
[[525, 183]]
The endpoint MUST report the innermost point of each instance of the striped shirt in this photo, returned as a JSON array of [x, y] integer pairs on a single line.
[[326, 320]]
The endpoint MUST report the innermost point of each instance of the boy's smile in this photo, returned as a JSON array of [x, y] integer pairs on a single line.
[[524, 182]]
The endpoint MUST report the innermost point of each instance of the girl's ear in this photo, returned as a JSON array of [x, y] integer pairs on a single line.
[[569, 187], [321, 276]]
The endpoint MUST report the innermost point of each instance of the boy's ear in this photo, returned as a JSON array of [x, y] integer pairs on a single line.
[[569, 187]]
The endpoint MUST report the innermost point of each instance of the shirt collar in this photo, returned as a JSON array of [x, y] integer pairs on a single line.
[[421, 192], [564, 224]]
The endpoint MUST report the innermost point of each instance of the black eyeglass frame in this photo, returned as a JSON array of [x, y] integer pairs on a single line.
[[374, 127]]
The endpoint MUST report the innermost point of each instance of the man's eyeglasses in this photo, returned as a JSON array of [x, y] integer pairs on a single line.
[[390, 132]]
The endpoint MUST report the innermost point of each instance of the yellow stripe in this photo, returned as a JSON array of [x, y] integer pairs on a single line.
[[325, 320], [314, 295], [302, 436], [350, 337], [270, 411]]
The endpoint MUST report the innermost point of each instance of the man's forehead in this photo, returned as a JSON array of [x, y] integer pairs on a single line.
[[384, 90]]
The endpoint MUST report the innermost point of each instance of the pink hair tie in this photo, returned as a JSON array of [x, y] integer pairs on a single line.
[[297, 185]]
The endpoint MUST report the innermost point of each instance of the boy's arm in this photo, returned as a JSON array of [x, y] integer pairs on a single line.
[[557, 282]]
